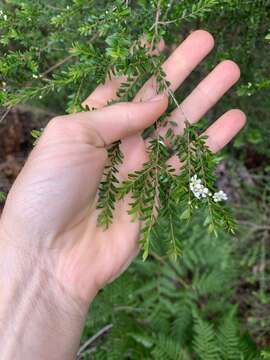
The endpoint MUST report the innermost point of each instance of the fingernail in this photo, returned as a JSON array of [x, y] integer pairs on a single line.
[[157, 98]]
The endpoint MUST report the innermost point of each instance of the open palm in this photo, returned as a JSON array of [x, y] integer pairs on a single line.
[[53, 201]]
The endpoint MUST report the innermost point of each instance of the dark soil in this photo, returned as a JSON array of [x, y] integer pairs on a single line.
[[16, 142]]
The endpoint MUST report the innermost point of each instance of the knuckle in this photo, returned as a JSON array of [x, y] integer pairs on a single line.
[[73, 128], [129, 116], [56, 122], [61, 126]]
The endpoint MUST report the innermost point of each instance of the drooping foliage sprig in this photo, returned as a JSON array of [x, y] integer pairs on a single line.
[[198, 159], [104, 46], [108, 187], [145, 188]]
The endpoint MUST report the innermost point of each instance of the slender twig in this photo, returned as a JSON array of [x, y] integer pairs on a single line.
[[155, 26], [168, 9], [128, 308], [65, 60], [153, 217], [157, 257], [55, 66], [42, 75], [164, 263], [189, 169], [208, 201], [168, 22], [93, 339], [5, 114]]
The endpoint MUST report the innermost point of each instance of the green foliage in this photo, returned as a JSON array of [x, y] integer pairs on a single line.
[[101, 46], [198, 159], [266, 354], [174, 309], [253, 249], [156, 191], [145, 188], [229, 339], [204, 341], [36, 135], [108, 190]]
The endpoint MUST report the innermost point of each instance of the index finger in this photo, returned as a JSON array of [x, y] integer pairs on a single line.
[[181, 62], [177, 68], [108, 91]]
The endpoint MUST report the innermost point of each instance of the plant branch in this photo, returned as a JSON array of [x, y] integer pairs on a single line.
[[89, 342]]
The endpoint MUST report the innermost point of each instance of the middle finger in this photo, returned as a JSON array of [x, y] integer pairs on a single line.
[[204, 96]]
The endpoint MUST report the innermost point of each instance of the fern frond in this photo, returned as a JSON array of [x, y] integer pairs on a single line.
[[167, 348], [205, 342], [228, 339]]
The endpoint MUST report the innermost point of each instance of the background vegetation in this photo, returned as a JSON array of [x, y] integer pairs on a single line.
[[214, 302]]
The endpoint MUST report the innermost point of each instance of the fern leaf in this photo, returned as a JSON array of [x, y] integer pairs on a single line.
[[205, 342]]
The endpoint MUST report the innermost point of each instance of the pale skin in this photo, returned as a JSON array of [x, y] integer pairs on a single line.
[[53, 257]]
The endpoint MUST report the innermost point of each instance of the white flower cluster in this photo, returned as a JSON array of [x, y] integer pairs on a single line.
[[219, 196], [200, 191], [2, 15], [4, 84]]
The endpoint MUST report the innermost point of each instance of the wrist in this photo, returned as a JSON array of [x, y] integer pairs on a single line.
[[58, 261], [38, 316]]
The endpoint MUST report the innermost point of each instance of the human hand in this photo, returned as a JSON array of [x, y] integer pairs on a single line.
[[50, 213]]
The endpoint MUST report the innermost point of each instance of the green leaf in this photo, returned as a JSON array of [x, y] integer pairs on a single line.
[[2, 196], [185, 214], [144, 340]]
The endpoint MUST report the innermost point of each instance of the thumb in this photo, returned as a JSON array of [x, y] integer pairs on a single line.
[[117, 121]]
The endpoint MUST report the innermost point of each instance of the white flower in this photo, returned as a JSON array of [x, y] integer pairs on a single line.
[[4, 84], [219, 196], [198, 189], [4, 16], [35, 76]]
